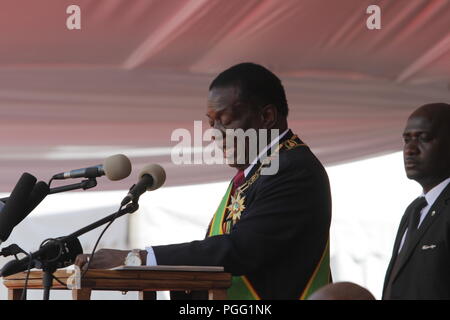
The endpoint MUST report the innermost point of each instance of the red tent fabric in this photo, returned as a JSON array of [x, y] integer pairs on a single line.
[[139, 69]]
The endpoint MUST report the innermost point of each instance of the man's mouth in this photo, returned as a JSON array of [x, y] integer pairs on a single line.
[[409, 164], [229, 152]]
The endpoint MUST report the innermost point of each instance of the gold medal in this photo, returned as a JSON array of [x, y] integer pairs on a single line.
[[236, 207], [237, 201]]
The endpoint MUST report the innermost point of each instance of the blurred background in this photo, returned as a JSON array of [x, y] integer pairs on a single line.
[[139, 69]]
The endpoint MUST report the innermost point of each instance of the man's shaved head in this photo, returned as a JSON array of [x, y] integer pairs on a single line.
[[426, 150], [342, 291], [437, 113]]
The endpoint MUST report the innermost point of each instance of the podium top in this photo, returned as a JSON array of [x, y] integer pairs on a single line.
[[126, 278], [154, 278]]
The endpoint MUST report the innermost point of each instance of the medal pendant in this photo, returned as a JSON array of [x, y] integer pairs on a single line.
[[236, 207]]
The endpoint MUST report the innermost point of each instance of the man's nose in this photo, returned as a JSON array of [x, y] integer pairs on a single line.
[[218, 126], [411, 148], [219, 135]]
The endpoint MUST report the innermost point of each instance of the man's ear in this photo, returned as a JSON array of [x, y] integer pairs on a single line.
[[269, 116]]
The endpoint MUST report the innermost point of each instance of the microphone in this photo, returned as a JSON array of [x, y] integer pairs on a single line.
[[59, 251], [151, 178], [39, 192], [116, 167], [14, 209]]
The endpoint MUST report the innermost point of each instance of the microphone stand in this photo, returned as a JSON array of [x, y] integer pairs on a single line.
[[84, 184], [67, 247], [50, 267], [130, 208], [12, 250]]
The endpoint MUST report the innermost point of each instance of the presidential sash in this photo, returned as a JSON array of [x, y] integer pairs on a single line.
[[240, 289]]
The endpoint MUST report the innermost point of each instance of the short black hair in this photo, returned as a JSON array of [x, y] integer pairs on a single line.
[[257, 85], [441, 114]]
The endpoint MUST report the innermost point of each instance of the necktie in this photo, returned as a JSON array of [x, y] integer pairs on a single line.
[[238, 180], [413, 221]]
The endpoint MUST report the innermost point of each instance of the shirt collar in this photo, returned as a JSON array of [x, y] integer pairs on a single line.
[[434, 193], [274, 141]]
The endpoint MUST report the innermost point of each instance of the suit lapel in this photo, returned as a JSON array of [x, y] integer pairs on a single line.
[[397, 242], [432, 215], [287, 136]]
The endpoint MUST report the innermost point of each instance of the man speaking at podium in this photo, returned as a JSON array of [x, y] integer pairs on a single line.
[[271, 231]]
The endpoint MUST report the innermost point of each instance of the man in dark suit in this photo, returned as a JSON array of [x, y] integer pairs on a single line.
[[420, 263], [270, 231]]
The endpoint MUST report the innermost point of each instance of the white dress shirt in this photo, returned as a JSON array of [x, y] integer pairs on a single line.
[[151, 258], [263, 152], [431, 197]]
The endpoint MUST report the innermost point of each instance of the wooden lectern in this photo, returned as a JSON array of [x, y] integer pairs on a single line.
[[146, 280]]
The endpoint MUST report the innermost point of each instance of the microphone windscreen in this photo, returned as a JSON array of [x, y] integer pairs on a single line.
[[158, 174], [16, 266], [117, 167], [63, 255], [15, 207], [39, 192]]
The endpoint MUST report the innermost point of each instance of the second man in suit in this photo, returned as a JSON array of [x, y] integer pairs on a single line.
[[420, 263]]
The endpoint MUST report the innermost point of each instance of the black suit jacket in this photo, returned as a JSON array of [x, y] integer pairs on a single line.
[[425, 272], [282, 232]]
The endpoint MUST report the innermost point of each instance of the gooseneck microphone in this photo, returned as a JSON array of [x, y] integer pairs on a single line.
[[151, 178], [14, 210], [116, 167]]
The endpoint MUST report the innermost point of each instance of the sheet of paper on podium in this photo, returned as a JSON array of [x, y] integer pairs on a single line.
[[171, 268]]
